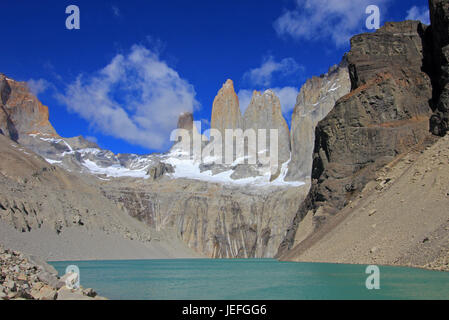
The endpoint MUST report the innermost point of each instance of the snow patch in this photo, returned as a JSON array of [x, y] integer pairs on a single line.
[[190, 169], [115, 170], [50, 161]]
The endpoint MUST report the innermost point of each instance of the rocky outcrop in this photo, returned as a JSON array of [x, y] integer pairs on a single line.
[[7, 127], [439, 65], [264, 112], [159, 169], [185, 121], [316, 99], [21, 112], [25, 277], [186, 126], [226, 112], [385, 115]]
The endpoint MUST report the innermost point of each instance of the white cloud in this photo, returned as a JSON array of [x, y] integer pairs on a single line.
[[419, 13], [263, 75], [38, 86], [287, 97], [137, 97], [335, 20]]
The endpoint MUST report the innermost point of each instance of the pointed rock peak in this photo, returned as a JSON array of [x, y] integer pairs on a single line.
[[185, 121], [226, 112], [229, 84]]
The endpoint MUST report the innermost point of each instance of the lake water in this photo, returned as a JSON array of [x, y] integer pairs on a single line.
[[253, 279]]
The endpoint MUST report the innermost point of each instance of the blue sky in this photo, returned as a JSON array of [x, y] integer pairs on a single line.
[[134, 65]]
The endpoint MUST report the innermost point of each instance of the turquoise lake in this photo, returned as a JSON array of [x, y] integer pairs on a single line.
[[253, 279]]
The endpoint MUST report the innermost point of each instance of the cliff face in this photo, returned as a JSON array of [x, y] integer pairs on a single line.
[[316, 99], [264, 112], [226, 112], [21, 112], [385, 115], [216, 220], [438, 61]]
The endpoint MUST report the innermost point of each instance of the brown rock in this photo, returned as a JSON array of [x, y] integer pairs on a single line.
[[21, 112], [45, 293], [226, 112], [68, 294], [22, 277]]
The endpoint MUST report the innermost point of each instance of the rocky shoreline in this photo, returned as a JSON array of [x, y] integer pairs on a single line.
[[25, 277]]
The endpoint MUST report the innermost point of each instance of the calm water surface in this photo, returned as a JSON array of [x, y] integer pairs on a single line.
[[253, 279]]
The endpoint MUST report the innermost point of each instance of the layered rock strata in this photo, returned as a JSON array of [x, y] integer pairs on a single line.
[[385, 115]]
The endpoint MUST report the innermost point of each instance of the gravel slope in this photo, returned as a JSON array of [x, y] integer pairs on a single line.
[[402, 218], [78, 244]]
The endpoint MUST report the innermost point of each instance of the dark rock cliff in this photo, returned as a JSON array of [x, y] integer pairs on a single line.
[[438, 65], [386, 113]]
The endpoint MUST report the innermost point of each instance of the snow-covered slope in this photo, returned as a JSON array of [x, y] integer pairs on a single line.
[[83, 156]]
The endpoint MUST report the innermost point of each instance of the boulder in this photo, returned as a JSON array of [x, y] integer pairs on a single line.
[[89, 292], [69, 294], [48, 278], [46, 292], [10, 285]]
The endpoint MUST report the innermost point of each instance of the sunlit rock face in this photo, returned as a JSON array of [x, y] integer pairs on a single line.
[[21, 113], [316, 99], [264, 112], [226, 112]]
